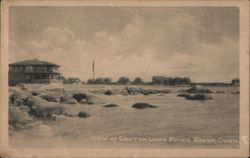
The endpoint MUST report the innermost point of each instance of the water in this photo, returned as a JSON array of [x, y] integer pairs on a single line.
[[176, 122]]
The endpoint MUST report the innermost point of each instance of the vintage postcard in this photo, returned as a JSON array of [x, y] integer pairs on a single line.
[[124, 78]]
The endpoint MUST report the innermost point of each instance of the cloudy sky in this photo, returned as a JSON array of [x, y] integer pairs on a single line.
[[198, 42]]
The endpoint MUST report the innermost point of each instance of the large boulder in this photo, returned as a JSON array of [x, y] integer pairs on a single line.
[[235, 93], [131, 90], [70, 101], [24, 108], [198, 89], [42, 108], [41, 131], [18, 118], [220, 92], [152, 91], [47, 110], [83, 114], [165, 91], [183, 95], [80, 96], [145, 92], [53, 96], [52, 87], [110, 105], [108, 92], [199, 97], [33, 124], [143, 106], [88, 98], [18, 102], [34, 93], [17, 96], [50, 98], [59, 117]]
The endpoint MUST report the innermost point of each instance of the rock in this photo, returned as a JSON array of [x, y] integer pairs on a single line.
[[83, 114], [33, 124], [94, 99], [49, 98], [198, 89], [145, 92], [34, 93], [17, 94], [89, 102], [183, 95], [63, 99], [11, 127], [220, 92], [80, 96], [47, 110], [199, 97], [18, 102], [17, 116], [111, 105], [90, 97], [70, 101], [235, 93], [58, 87], [41, 131], [108, 92], [164, 91], [131, 90], [24, 108], [42, 108], [153, 91], [59, 117], [19, 126], [30, 102], [143, 106], [83, 101]]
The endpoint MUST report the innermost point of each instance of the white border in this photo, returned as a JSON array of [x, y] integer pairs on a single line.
[[244, 88]]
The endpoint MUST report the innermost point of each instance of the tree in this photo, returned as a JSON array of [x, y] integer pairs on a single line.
[[138, 80], [107, 80], [186, 80], [99, 80], [158, 79], [123, 80], [177, 81], [90, 81]]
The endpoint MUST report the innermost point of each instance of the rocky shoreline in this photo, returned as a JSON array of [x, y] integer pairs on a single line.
[[30, 108]]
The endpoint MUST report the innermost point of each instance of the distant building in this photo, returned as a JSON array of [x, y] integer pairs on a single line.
[[236, 82], [72, 80], [33, 71]]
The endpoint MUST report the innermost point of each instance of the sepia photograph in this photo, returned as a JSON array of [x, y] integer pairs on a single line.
[[105, 76]]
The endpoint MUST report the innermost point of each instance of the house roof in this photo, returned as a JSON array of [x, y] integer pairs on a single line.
[[33, 62]]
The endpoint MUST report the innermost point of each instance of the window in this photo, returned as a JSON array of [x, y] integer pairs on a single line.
[[28, 68]]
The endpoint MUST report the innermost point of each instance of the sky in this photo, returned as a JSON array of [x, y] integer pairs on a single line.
[[197, 42]]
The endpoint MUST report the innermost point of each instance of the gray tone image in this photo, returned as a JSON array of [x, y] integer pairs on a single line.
[[144, 77]]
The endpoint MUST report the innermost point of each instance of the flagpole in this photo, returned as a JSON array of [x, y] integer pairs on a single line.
[[93, 70]]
